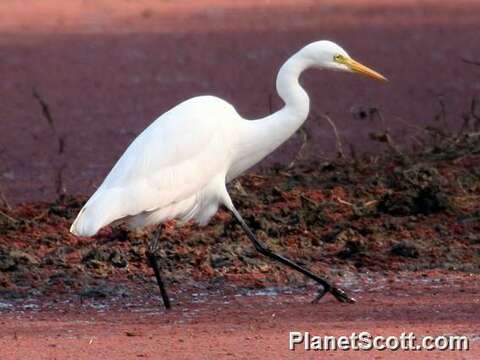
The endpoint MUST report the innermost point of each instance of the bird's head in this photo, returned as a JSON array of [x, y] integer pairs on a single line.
[[328, 55]]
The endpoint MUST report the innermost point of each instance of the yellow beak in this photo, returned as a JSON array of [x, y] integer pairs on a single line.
[[362, 69]]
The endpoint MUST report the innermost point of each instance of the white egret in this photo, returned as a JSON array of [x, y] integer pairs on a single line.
[[178, 167]]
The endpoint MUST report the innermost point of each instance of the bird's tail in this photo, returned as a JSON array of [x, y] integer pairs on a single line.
[[99, 211]]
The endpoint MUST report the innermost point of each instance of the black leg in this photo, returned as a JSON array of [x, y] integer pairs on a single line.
[[339, 294], [151, 253]]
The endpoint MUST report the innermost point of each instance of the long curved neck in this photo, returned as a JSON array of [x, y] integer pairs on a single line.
[[275, 129], [264, 135], [297, 102]]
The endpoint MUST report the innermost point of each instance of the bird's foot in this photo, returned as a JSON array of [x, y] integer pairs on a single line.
[[338, 293], [342, 296]]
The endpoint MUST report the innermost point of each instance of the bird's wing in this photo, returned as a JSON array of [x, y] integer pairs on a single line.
[[172, 159]]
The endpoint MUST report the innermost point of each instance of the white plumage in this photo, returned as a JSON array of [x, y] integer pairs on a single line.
[[177, 167], [166, 171]]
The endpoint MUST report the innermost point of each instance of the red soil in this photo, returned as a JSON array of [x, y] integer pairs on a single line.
[[232, 324], [107, 68]]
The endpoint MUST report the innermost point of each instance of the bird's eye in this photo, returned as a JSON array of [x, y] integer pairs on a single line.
[[338, 58]]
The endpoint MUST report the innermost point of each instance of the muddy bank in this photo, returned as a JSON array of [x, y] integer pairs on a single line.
[[106, 69], [230, 322], [399, 232], [401, 211]]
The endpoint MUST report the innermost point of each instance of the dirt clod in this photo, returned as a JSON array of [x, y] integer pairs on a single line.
[[405, 250]]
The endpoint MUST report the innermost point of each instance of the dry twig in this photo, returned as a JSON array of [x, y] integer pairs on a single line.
[[340, 153], [8, 217], [45, 108], [301, 152], [471, 62], [59, 181], [3, 201]]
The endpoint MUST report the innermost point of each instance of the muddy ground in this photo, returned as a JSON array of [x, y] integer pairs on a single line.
[[389, 210], [222, 322], [105, 69], [399, 232]]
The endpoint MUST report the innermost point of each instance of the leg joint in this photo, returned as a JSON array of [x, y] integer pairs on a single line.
[[262, 248]]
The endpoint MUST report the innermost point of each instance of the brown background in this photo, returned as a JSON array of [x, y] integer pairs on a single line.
[[108, 68]]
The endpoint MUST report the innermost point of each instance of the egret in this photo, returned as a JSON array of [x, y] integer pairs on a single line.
[[178, 167]]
